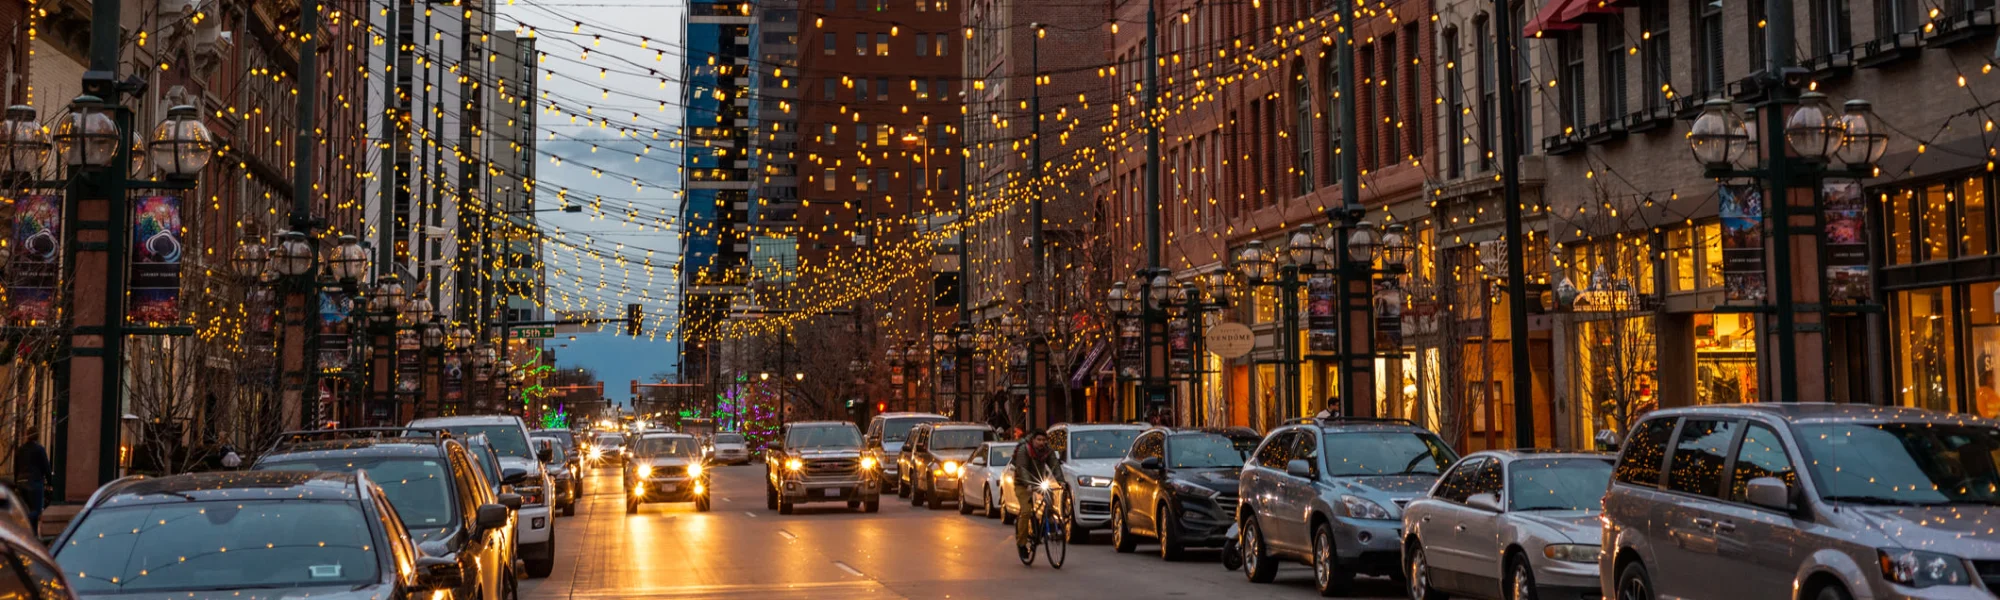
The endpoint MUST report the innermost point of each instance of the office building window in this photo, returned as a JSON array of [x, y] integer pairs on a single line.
[[1656, 52], [861, 44], [1707, 38], [881, 44], [882, 88], [1454, 107], [1611, 69], [828, 86], [1569, 84], [881, 180], [1832, 28], [861, 90], [831, 45], [923, 89], [1333, 109], [1302, 132], [1489, 93], [1894, 16], [923, 43]]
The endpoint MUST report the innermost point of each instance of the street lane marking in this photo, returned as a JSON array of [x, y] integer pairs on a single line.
[[850, 570], [788, 535], [753, 515]]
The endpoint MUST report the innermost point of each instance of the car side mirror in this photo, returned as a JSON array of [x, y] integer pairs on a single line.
[[1152, 463], [435, 573], [1770, 492], [1299, 468], [1485, 501], [489, 517], [513, 476], [511, 501]]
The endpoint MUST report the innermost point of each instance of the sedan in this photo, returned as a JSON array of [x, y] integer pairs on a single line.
[[1510, 524], [982, 486], [1178, 486]]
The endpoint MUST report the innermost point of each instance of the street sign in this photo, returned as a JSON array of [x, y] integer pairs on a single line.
[[534, 333], [1230, 340]]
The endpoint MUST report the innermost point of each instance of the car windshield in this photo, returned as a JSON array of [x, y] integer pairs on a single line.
[[959, 439], [223, 545], [556, 434], [1209, 451], [506, 439], [483, 454], [1103, 443], [677, 446], [1363, 453], [728, 438], [419, 487], [611, 441], [1558, 483], [823, 436], [896, 430], [1904, 463], [1000, 455]]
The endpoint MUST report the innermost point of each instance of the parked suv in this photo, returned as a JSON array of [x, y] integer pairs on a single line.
[[536, 526], [937, 454], [1826, 501], [1330, 493], [1178, 486], [886, 434], [821, 461]]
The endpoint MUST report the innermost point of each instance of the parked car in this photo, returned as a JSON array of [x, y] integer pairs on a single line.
[[937, 453], [571, 460], [1090, 454], [821, 461], [1820, 501], [981, 485], [443, 499], [728, 448], [1329, 493], [666, 467], [509, 439], [1178, 486], [33, 568], [312, 534], [565, 481], [886, 434], [1508, 524]]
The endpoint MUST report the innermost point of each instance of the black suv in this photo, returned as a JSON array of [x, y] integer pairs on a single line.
[[213, 535], [572, 461], [1178, 486], [434, 484], [936, 455]]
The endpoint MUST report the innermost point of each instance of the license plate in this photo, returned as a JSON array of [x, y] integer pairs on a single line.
[[833, 492], [668, 487]]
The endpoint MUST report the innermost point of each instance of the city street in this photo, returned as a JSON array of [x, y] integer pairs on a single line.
[[742, 550]]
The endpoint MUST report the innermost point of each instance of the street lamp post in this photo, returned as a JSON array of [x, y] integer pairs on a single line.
[[1307, 255], [1195, 306]]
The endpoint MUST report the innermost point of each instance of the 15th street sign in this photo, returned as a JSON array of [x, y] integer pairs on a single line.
[[534, 333]]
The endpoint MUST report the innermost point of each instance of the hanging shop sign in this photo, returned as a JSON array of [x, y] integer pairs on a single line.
[[1846, 243], [36, 264], [1230, 340], [156, 260], [1742, 210], [1321, 322]]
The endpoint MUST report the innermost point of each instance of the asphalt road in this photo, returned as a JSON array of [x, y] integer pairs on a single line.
[[826, 552]]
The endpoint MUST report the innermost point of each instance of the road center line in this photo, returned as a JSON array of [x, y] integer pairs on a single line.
[[788, 535], [752, 515], [850, 570]]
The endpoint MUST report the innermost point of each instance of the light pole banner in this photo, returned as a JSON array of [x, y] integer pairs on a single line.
[[156, 260], [1742, 210], [1846, 243], [37, 260], [1321, 322]]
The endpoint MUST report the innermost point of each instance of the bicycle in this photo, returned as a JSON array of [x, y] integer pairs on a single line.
[[1049, 525]]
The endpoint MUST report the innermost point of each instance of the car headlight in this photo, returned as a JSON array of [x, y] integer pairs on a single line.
[[1093, 481], [1917, 568], [867, 463], [694, 469], [793, 464], [645, 471], [1193, 490], [1576, 553], [1363, 508], [951, 468]]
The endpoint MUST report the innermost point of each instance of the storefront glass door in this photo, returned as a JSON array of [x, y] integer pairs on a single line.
[[1924, 335], [1725, 358]]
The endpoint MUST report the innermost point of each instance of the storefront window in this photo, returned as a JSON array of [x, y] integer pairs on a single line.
[[1972, 232], [1923, 333], [1982, 331], [1616, 373], [1898, 207], [1680, 259], [1711, 255], [1725, 358], [1266, 304], [1932, 229]]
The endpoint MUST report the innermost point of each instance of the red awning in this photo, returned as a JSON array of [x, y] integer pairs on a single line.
[[1549, 18], [1575, 11]]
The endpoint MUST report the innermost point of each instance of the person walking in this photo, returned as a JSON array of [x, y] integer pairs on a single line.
[[1332, 410], [33, 471]]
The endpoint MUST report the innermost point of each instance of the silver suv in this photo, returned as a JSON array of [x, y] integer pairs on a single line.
[[1819, 501], [1330, 493]]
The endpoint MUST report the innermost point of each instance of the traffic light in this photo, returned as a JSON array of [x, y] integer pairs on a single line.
[[633, 317]]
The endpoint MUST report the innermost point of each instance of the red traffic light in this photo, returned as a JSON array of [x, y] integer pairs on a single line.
[[881, 407]]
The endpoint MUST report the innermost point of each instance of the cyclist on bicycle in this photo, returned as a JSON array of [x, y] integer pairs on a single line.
[[1033, 462]]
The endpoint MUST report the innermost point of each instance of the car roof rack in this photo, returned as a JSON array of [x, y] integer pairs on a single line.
[[1335, 420], [351, 433]]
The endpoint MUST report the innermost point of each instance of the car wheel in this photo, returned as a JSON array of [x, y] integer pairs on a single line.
[[510, 587], [1006, 517], [932, 499], [902, 487], [569, 510], [1256, 566], [1121, 532], [702, 504], [1520, 579], [784, 506], [1634, 583], [916, 494], [770, 497], [871, 506], [1833, 591], [1170, 548], [631, 505], [1420, 576], [1328, 579], [964, 505], [992, 512], [541, 567]]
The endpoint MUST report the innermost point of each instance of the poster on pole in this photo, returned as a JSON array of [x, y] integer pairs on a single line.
[[156, 260], [1321, 322], [1846, 243], [1742, 210], [1180, 346], [37, 260]]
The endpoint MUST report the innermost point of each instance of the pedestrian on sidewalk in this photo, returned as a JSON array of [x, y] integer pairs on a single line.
[[1332, 410], [32, 470]]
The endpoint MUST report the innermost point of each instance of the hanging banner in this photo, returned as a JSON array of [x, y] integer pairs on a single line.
[[37, 261], [1131, 351], [1742, 210], [1321, 320], [1388, 317], [156, 260], [1846, 243], [1180, 346]]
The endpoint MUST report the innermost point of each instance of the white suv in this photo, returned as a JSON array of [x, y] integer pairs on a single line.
[[522, 469], [1090, 455]]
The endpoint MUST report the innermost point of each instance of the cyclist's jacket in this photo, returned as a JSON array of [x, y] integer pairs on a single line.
[[1030, 466]]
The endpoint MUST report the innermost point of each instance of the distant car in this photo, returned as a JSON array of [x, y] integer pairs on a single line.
[[33, 569], [1509, 524], [666, 467], [572, 457], [728, 448], [886, 434], [937, 456], [435, 487], [1330, 493], [821, 461], [566, 481], [217, 535], [1178, 486], [523, 470], [1090, 454], [980, 487], [607, 448]]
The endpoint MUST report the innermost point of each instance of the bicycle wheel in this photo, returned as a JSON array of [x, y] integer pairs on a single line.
[[1057, 541]]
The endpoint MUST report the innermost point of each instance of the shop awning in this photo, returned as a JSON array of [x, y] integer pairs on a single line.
[[1575, 11], [1549, 18], [1088, 367]]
